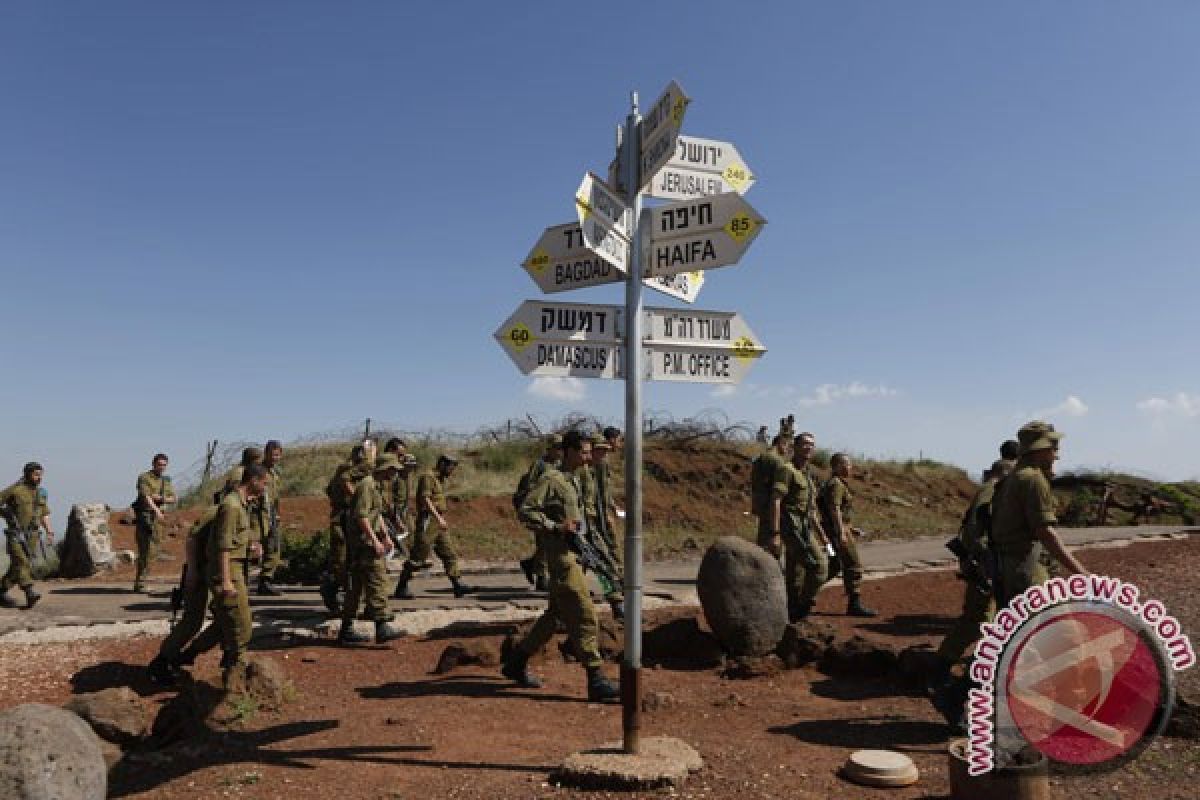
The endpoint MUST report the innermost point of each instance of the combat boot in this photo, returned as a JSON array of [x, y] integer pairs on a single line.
[[460, 589], [267, 589], [600, 689], [6, 601], [384, 632], [160, 672], [32, 595], [516, 668], [855, 608], [402, 591], [347, 634], [329, 595]]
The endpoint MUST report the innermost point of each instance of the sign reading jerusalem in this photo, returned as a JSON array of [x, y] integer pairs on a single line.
[[693, 235], [699, 168]]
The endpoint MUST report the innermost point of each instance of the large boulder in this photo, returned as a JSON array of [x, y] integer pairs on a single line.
[[87, 546], [117, 715], [742, 592], [48, 753]]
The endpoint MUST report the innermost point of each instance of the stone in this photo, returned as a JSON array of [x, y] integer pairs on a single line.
[[859, 657], [48, 753], [126, 557], [881, 768], [661, 762], [804, 643], [117, 715], [471, 653], [263, 681], [680, 643], [745, 668], [742, 592], [658, 701], [87, 546]]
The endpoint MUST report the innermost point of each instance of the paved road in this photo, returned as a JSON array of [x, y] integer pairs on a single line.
[[501, 590]]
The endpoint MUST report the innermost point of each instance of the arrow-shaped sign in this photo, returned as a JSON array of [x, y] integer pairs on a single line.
[[693, 235], [604, 219], [699, 346], [659, 129], [563, 339], [699, 168]]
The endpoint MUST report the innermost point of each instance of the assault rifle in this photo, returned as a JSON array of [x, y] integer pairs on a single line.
[[273, 544], [590, 558], [974, 571]]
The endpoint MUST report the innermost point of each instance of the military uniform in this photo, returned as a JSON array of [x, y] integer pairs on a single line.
[[836, 494], [232, 534], [806, 566], [555, 499], [272, 544], [428, 535], [367, 570], [978, 606], [339, 504], [1023, 503], [589, 503], [605, 505], [148, 529], [535, 565], [762, 480], [25, 506], [196, 598]]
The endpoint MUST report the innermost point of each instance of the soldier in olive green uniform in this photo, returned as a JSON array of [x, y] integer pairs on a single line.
[[1023, 516], [397, 492], [340, 491], [431, 510], [589, 502], [367, 547], [232, 544], [534, 567], [835, 502], [762, 481], [602, 526], [978, 605], [797, 527], [154, 493], [171, 654], [268, 513], [553, 507], [26, 510]]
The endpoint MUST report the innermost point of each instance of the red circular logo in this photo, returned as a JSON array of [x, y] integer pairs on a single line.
[[1087, 685]]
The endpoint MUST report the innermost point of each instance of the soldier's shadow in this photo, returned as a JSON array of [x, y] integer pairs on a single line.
[[911, 625], [114, 675], [469, 686], [886, 732]]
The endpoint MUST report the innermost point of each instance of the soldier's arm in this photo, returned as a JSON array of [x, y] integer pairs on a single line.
[[146, 492], [226, 527], [833, 498], [1040, 514], [362, 512], [531, 512]]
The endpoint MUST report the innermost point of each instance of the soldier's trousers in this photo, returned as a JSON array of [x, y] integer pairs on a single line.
[[147, 535], [231, 616], [977, 609], [272, 556], [195, 607], [337, 550], [538, 559], [852, 570], [1018, 572], [568, 601], [429, 537], [368, 585], [806, 566], [20, 571]]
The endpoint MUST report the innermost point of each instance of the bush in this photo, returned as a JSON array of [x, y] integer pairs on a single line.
[[304, 558]]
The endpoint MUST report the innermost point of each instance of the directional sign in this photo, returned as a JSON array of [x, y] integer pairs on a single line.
[[699, 346], [698, 364], [561, 261], [659, 129], [699, 168], [564, 339], [693, 235], [605, 220], [684, 286]]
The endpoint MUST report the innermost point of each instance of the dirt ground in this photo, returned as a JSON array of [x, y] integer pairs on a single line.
[[373, 722]]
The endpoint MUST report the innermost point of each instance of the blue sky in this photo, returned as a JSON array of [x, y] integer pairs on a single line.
[[243, 220]]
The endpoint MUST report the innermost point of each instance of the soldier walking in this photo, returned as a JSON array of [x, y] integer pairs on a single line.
[[534, 566], [26, 509], [431, 511], [763, 471], [340, 491], [553, 507], [836, 502], [268, 512], [367, 547], [598, 511], [796, 529], [154, 494]]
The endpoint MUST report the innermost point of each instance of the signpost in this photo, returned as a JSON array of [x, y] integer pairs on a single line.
[[699, 234], [667, 248], [699, 168]]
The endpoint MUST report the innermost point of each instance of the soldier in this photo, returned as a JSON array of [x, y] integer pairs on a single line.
[[340, 491], [1023, 516], [796, 528], [250, 455], [595, 496], [762, 481], [24, 506], [268, 513], [171, 654], [534, 567], [397, 492], [787, 427], [978, 606], [835, 502], [431, 507], [231, 546], [553, 507], [154, 493], [367, 547]]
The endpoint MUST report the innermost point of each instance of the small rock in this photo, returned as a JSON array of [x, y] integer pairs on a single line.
[[126, 556], [118, 715], [658, 701], [804, 642], [261, 679], [859, 656], [460, 654], [751, 667]]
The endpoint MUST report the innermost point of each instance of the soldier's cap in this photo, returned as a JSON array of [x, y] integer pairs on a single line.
[[600, 443], [387, 461], [1037, 435]]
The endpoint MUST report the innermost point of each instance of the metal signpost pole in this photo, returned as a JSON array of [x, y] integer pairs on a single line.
[[632, 664]]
